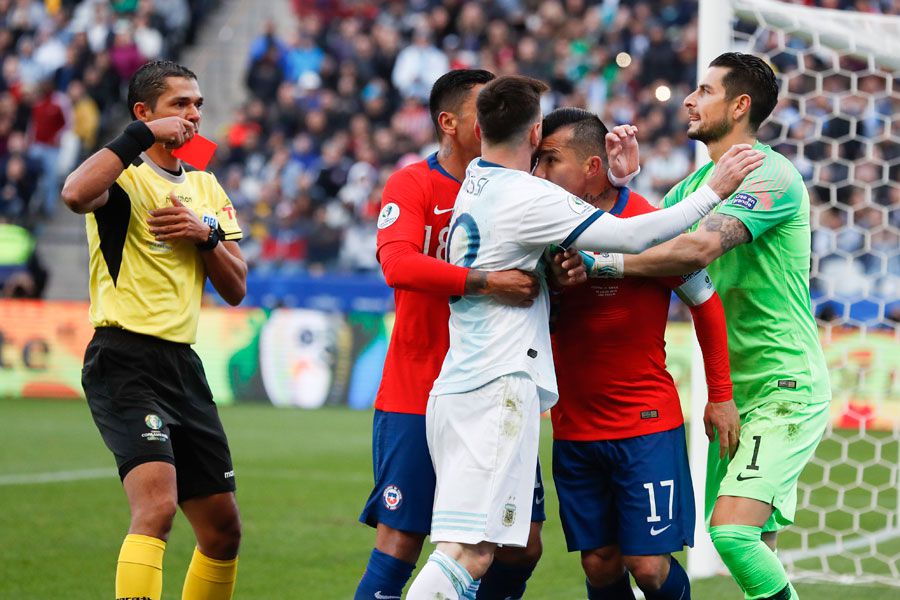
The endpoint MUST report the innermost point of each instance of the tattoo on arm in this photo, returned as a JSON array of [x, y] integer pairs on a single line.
[[476, 282], [732, 232]]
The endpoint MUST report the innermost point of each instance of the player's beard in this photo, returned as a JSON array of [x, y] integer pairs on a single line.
[[713, 132]]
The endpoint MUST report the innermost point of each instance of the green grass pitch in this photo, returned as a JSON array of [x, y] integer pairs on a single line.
[[302, 478]]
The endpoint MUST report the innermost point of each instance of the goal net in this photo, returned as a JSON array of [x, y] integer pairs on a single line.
[[838, 120]]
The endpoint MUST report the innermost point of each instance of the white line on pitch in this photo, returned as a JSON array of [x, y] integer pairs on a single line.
[[56, 476]]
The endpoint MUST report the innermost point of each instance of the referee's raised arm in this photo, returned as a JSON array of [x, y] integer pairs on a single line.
[[86, 187]]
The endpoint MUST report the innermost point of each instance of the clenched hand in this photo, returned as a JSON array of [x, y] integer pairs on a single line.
[[177, 222]]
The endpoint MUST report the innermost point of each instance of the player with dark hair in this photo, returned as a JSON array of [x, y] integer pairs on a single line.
[[619, 452], [482, 418], [412, 247], [155, 234], [756, 245]]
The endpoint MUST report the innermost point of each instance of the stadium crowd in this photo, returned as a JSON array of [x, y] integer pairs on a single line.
[[64, 67], [339, 101]]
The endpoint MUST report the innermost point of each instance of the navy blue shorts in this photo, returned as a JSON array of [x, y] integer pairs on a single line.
[[403, 495], [636, 493]]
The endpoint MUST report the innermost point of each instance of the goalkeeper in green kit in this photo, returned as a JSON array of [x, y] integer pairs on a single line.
[[756, 247]]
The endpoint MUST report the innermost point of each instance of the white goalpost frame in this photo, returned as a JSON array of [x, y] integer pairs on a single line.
[[713, 38], [861, 35]]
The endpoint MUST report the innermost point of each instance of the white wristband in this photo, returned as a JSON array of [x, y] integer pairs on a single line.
[[617, 182], [607, 265], [706, 198]]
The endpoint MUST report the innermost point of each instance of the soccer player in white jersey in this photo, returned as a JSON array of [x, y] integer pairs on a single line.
[[482, 419]]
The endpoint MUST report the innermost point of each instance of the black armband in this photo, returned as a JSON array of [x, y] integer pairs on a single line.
[[136, 138]]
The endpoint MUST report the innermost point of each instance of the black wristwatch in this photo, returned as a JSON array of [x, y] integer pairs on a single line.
[[215, 236]]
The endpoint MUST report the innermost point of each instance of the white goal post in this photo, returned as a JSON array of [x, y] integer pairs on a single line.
[[839, 122]]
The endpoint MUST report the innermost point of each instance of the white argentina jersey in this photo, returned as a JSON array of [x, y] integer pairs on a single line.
[[504, 219]]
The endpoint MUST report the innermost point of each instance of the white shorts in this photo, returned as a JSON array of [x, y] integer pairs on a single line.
[[484, 446]]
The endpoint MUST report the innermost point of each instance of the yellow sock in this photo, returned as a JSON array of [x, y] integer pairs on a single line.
[[139, 571], [209, 579]]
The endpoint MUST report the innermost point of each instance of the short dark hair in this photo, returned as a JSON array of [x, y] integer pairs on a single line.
[[588, 131], [507, 106], [450, 91], [748, 74], [149, 82]]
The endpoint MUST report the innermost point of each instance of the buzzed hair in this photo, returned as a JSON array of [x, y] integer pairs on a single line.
[[588, 131], [450, 91], [507, 106]]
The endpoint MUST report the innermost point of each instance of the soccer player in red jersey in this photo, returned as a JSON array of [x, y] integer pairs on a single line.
[[413, 225], [619, 456]]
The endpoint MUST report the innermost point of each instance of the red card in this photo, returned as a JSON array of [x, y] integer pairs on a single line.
[[196, 152]]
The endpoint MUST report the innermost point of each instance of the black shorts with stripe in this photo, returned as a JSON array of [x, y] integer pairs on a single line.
[[151, 402]]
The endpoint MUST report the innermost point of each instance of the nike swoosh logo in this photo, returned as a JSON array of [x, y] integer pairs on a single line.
[[539, 500], [438, 211], [381, 596], [741, 477], [654, 531]]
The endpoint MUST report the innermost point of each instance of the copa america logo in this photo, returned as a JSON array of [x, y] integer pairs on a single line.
[[392, 497], [153, 422]]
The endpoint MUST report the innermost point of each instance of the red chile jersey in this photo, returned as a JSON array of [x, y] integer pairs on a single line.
[[413, 225], [609, 350]]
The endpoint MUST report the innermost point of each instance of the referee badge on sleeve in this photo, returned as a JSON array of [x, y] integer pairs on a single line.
[[211, 220]]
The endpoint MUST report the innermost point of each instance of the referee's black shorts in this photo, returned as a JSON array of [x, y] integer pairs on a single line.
[[151, 402]]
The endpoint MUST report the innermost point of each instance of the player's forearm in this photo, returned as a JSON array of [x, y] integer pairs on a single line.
[[678, 256], [227, 271], [712, 335], [636, 234], [406, 268], [85, 188]]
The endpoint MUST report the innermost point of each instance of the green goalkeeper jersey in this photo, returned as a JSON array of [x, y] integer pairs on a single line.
[[773, 340]]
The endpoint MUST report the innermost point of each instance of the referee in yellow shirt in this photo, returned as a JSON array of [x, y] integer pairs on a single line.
[[155, 233]]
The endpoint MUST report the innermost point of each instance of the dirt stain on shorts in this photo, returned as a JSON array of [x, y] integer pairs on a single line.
[[511, 423]]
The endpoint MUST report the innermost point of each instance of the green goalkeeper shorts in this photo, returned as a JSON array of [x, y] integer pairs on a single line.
[[777, 440]]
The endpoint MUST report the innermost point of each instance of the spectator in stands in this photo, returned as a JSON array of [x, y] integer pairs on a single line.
[[25, 16], [302, 56], [175, 21], [21, 273], [85, 116], [265, 75], [354, 95], [73, 65], [268, 39], [50, 117], [323, 243], [148, 40], [30, 70], [665, 166], [124, 54], [418, 66]]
